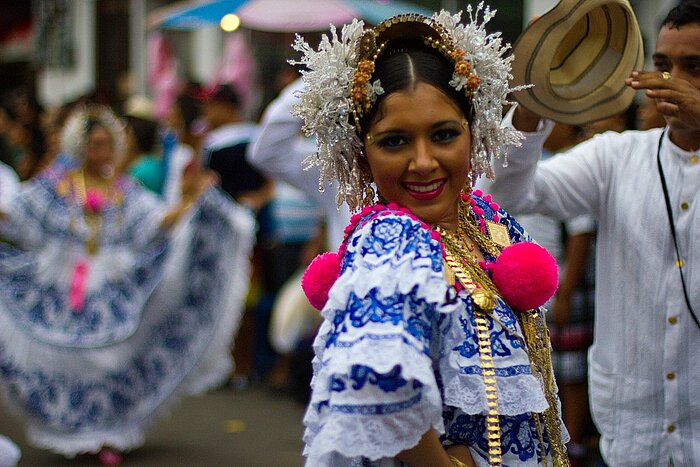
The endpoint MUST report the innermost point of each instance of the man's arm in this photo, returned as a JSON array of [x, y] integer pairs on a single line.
[[561, 187], [279, 147]]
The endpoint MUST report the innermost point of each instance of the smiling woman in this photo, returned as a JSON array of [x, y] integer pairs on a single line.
[[433, 350]]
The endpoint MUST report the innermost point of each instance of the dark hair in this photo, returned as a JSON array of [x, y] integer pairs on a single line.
[[145, 133], [405, 65], [226, 94], [190, 109], [687, 12]]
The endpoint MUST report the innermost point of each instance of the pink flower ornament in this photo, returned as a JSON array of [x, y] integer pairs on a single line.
[[94, 201]]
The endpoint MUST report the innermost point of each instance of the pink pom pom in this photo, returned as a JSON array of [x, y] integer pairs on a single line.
[[526, 275], [94, 201], [319, 277]]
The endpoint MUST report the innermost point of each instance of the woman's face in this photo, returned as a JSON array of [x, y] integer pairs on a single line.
[[418, 148], [99, 151]]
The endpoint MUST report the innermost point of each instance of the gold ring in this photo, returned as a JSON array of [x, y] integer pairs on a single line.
[[666, 75]]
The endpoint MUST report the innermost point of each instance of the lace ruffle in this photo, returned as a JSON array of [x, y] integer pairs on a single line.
[[380, 319]]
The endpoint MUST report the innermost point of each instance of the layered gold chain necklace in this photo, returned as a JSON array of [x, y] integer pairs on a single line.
[[462, 263]]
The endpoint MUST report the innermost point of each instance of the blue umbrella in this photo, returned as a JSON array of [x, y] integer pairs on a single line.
[[279, 15], [375, 11]]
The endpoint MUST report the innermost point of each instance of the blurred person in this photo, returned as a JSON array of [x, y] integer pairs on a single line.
[[143, 155], [181, 142], [642, 188], [225, 145], [290, 222], [422, 358], [279, 151], [113, 306]]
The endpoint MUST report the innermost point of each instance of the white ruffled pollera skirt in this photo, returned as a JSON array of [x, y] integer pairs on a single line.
[[77, 384]]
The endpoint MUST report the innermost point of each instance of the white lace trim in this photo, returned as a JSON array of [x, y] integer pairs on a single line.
[[374, 437], [516, 394]]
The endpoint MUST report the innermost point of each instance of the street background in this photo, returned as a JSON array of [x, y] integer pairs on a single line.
[[225, 428]]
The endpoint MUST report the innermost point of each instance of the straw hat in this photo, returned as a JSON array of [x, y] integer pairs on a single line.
[[577, 56]]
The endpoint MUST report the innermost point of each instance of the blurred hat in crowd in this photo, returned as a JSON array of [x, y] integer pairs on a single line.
[[577, 56], [139, 106]]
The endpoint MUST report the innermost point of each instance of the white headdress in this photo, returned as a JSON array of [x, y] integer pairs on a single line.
[[75, 130], [339, 89]]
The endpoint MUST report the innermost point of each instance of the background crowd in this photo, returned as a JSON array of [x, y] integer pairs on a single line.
[[208, 127]]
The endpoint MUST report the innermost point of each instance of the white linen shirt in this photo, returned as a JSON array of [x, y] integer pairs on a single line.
[[278, 151], [645, 360]]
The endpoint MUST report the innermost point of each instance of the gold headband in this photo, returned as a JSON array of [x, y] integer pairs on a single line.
[[364, 94]]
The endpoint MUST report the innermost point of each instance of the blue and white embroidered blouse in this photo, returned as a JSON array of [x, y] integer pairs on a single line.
[[397, 354]]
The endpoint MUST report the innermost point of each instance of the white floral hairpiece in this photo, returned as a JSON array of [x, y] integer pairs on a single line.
[[330, 75], [74, 133]]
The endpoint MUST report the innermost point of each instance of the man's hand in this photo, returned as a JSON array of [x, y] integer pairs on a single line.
[[675, 97]]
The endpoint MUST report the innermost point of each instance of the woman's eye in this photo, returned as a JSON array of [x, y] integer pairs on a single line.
[[391, 142], [445, 135]]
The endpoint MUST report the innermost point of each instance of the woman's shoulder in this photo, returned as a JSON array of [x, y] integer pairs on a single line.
[[494, 220], [388, 230]]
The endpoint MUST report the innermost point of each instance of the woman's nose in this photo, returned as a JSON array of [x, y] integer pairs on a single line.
[[423, 159]]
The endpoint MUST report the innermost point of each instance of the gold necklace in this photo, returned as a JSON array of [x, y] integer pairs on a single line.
[[462, 262], [93, 219]]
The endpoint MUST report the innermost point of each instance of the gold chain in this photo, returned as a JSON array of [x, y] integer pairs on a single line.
[[459, 257], [484, 295]]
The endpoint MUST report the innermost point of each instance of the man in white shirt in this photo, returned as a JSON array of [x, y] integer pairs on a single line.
[[644, 372], [278, 151]]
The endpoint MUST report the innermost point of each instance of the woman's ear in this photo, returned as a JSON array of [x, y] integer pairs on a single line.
[[365, 169]]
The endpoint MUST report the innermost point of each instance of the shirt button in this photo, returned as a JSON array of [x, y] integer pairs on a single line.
[[694, 159], [670, 376], [671, 428], [684, 206], [672, 319]]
